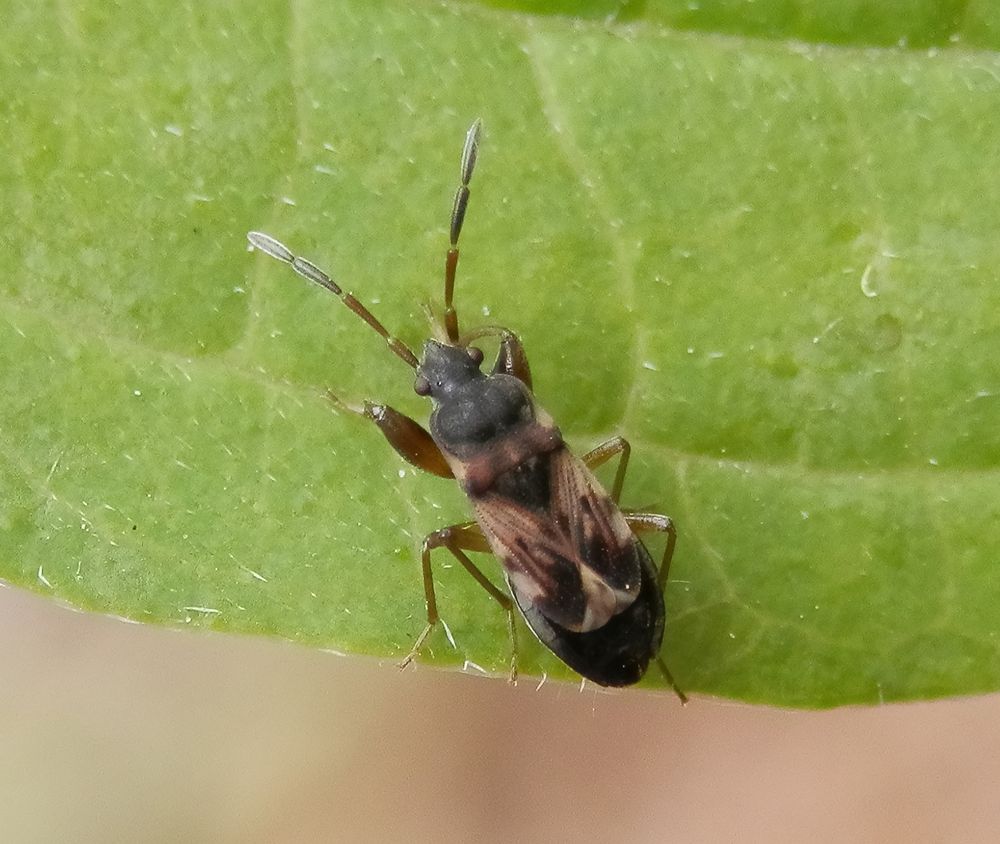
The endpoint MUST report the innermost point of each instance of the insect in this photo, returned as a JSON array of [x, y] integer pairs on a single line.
[[573, 563]]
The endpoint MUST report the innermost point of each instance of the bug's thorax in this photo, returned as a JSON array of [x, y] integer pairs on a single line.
[[484, 424]]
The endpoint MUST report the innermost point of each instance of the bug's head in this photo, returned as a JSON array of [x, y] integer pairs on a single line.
[[443, 369]]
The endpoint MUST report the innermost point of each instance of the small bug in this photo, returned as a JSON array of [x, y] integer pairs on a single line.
[[580, 576]]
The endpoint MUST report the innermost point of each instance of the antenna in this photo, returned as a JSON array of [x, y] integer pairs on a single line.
[[469, 153], [307, 269]]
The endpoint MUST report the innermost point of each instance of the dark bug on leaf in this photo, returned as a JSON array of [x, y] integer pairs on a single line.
[[572, 560]]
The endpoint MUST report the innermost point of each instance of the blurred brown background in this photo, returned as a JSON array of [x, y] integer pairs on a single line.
[[117, 732]]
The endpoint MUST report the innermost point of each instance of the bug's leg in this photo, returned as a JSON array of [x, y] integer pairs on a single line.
[[603, 453], [458, 539], [511, 358], [410, 439], [654, 522], [469, 153]]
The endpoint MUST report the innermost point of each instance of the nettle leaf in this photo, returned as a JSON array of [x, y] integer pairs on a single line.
[[774, 266]]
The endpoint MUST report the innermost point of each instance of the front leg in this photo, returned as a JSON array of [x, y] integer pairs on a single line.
[[408, 437], [511, 357], [512, 360]]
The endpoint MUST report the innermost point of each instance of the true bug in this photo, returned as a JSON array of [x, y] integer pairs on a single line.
[[583, 581]]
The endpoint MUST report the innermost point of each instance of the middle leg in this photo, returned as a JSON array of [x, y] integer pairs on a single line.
[[603, 453]]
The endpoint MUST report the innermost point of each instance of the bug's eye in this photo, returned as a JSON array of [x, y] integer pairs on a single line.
[[422, 387], [475, 354]]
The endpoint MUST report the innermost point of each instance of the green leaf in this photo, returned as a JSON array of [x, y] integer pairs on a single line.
[[908, 23], [773, 265]]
